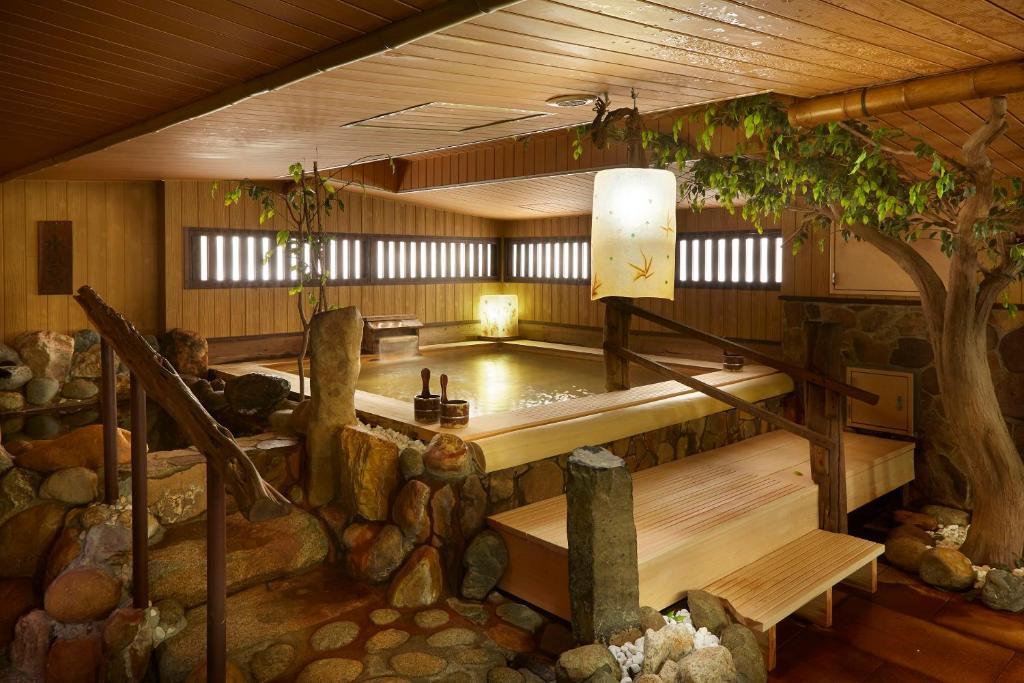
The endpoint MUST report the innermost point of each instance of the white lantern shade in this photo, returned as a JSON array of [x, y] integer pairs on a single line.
[[499, 316], [633, 234]]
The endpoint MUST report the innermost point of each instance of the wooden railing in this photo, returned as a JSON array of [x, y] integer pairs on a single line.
[[823, 402], [228, 467]]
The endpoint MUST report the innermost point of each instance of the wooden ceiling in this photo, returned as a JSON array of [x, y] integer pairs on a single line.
[[76, 71], [71, 72]]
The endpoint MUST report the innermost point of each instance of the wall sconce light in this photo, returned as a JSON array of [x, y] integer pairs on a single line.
[[499, 316], [633, 234]]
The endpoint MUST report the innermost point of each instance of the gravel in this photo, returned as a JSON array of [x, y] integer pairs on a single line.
[[631, 655]]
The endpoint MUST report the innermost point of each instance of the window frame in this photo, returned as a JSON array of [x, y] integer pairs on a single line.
[[741, 285]]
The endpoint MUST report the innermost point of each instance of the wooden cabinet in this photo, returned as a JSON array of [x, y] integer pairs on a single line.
[[894, 412]]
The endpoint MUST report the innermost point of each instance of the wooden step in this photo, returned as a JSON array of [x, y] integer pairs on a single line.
[[797, 578], [702, 517]]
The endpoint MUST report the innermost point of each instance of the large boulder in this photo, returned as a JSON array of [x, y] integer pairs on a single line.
[[449, 457], [746, 654], [32, 636], [47, 353], [80, 448], [87, 364], [411, 513], [369, 473], [127, 645], [41, 390], [187, 351], [485, 562], [375, 552], [1003, 591], [26, 537], [707, 611], [256, 552], [708, 665], [947, 568], [581, 663], [666, 644], [85, 339], [81, 595], [79, 389], [256, 394], [905, 552], [419, 582], [334, 343]]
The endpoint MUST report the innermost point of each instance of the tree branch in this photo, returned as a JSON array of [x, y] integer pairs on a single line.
[[976, 147]]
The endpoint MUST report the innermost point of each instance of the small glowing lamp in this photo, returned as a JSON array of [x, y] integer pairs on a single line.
[[499, 316], [633, 234]]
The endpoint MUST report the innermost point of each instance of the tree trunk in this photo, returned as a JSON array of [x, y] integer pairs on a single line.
[[994, 468]]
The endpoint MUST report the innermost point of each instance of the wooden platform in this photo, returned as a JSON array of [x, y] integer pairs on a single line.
[[703, 517]]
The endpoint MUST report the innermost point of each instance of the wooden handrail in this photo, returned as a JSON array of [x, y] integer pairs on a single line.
[[723, 396], [795, 371]]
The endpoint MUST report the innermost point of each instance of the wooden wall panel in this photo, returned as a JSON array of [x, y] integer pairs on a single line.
[[116, 231], [741, 314], [268, 310]]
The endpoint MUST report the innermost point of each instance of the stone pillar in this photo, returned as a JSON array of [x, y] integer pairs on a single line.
[[604, 582], [335, 339]]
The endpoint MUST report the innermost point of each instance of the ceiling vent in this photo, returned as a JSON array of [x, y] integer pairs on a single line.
[[445, 117]]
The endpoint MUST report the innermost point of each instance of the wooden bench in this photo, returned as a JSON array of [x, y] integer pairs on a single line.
[[797, 578]]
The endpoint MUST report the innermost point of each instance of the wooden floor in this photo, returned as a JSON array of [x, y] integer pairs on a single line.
[[906, 632], [703, 517]]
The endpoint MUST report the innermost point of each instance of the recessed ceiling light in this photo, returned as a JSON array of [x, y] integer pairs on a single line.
[[573, 100]]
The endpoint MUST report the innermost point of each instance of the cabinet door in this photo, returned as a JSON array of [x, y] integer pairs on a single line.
[[895, 409]]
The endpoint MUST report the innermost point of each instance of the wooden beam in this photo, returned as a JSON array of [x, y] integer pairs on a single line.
[[616, 334], [825, 414], [257, 499], [815, 438], [791, 369]]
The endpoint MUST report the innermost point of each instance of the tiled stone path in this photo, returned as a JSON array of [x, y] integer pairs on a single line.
[[906, 632]]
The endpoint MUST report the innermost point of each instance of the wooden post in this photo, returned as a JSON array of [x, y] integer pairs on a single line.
[[140, 502], [216, 576], [108, 405], [826, 412], [616, 333]]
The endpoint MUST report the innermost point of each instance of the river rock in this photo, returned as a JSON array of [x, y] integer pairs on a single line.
[[16, 598], [746, 654], [410, 461], [331, 670], [442, 512], [256, 394], [31, 642], [918, 519], [369, 473], [473, 508], [707, 611], [708, 665], [410, 511], [9, 356], [333, 636], [85, 339], [80, 448], [11, 400], [81, 595], [485, 561], [947, 568], [417, 664], [42, 427], [47, 353], [26, 537], [87, 364], [448, 457], [75, 660], [41, 390], [271, 662], [73, 485], [663, 645], [14, 377], [334, 351], [914, 532], [520, 616], [79, 389], [904, 552], [419, 582], [651, 619], [127, 644], [17, 490], [947, 516], [1003, 591], [374, 552], [581, 663], [187, 351]]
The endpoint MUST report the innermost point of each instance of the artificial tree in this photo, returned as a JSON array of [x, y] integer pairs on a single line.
[[889, 189]]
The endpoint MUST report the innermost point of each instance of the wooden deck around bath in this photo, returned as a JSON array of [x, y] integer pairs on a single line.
[[703, 517]]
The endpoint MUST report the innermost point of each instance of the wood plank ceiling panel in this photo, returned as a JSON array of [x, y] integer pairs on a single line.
[[72, 71], [676, 52]]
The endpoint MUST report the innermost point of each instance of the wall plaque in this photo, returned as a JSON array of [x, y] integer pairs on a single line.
[[56, 257]]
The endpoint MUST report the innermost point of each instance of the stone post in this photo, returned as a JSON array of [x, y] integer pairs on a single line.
[[335, 339], [604, 582]]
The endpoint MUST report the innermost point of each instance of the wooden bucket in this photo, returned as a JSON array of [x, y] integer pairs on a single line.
[[426, 409], [454, 414]]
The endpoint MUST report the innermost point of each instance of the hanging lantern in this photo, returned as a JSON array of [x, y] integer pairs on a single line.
[[633, 234], [499, 316]]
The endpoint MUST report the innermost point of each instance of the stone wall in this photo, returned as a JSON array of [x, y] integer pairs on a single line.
[[893, 336], [516, 486]]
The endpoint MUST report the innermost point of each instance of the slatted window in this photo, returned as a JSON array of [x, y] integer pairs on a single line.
[[398, 258], [737, 260], [217, 258], [555, 259]]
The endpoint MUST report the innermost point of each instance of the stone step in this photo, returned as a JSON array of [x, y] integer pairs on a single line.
[[177, 479], [256, 553]]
